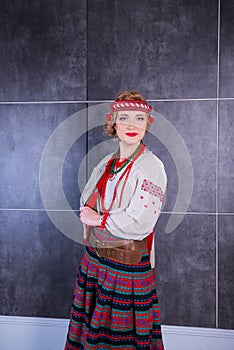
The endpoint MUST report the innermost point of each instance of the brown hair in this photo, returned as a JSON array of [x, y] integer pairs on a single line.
[[109, 126]]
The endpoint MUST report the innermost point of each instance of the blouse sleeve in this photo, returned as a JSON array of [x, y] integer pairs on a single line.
[[139, 217], [90, 185], [95, 175]]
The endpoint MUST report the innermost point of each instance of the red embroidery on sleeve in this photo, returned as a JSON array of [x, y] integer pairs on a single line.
[[150, 187]]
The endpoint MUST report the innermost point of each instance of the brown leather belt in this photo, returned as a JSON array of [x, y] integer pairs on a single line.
[[123, 251]]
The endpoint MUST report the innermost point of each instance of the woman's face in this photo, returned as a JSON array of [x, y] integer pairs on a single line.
[[131, 126]]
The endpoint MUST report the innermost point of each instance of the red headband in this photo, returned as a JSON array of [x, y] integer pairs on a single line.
[[131, 105]]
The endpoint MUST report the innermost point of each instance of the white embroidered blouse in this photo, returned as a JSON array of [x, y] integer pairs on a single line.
[[135, 210]]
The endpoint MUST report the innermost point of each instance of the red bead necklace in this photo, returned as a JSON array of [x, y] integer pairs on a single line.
[[119, 162], [102, 183]]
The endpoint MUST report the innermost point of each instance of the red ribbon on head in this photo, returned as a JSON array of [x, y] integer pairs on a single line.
[[108, 117], [130, 105]]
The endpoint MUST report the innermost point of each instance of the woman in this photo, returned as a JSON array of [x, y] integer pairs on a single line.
[[115, 305]]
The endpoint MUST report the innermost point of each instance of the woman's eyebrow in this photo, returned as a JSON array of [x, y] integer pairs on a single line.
[[127, 115], [124, 114]]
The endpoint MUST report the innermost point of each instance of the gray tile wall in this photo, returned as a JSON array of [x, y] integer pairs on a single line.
[[58, 58]]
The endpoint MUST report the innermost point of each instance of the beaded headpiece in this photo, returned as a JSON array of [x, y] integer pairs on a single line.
[[132, 105]]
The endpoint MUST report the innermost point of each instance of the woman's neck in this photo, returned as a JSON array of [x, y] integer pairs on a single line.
[[126, 150]]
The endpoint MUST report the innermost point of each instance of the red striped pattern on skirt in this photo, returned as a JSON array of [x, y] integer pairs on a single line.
[[115, 306]]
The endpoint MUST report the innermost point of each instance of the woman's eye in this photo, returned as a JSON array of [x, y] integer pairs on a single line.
[[122, 119], [140, 118]]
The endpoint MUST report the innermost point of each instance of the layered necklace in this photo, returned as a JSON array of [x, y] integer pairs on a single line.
[[125, 162], [110, 171]]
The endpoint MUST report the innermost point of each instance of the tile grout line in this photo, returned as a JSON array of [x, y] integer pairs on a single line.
[[87, 51], [87, 95], [217, 178], [76, 210], [108, 101]]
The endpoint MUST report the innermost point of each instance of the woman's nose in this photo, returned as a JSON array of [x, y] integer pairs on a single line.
[[131, 125]]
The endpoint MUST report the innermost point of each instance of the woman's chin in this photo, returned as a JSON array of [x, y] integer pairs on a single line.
[[130, 141]]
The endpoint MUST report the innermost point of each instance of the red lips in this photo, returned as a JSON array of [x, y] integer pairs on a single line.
[[131, 134]]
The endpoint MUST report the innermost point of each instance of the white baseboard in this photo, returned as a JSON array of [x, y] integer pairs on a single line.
[[197, 338], [31, 333]]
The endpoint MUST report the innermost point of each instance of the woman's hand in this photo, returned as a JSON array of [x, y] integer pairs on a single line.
[[89, 216]]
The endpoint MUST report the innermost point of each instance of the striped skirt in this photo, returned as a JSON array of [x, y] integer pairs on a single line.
[[115, 306]]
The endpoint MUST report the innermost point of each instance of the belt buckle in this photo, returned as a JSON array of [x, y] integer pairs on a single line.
[[100, 244], [99, 247]]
